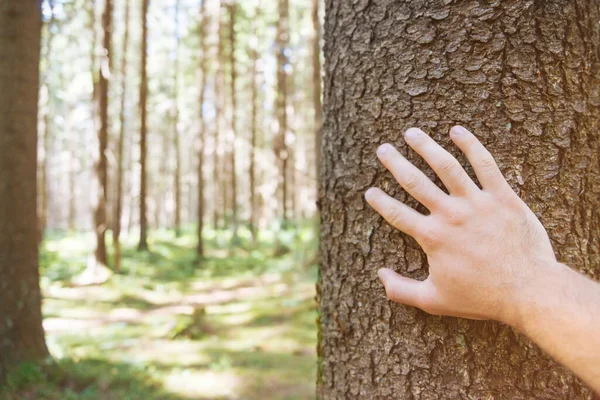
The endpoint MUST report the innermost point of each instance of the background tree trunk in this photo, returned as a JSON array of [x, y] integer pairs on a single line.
[[143, 244], [219, 196], [232, 122], [177, 177], [20, 300], [121, 144], [253, 124], [281, 151], [202, 136], [525, 77], [316, 77], [100, 219]]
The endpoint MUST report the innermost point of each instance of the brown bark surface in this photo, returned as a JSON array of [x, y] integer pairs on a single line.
[[100, 219], [281, 151], [143, 245], [121, 143], [21, 332], [202, 133], [525, 77]]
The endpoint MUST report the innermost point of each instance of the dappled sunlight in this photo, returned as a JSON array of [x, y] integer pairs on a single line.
[[224, 329]]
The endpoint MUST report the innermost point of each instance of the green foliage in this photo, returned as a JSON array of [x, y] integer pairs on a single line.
[[239, 323]]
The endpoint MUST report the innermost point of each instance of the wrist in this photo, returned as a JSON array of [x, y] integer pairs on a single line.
[[535, 295]]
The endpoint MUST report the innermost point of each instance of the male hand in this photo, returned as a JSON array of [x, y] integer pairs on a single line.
[[484, 245]]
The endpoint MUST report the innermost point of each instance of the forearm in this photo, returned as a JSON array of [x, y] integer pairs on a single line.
[[561, 313]]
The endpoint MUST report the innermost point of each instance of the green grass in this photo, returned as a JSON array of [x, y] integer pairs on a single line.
[[238, 324]]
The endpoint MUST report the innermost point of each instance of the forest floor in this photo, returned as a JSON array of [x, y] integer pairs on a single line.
[[238, 325]]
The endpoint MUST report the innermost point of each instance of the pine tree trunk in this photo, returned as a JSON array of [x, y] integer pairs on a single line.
[[143, 245], [21, 332], [280, 147], [316, 81], [525, 77], [253, 125], [232, 122], [219, 196], [121, 144], [202, 133], [100, 219], [177, 177]]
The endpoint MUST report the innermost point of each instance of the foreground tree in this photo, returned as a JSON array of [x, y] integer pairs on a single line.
[[525, 77], [21, 332]]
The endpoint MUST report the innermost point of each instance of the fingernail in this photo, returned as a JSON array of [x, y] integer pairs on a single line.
[[412, 133], [370, 193], [383, 149], [458, 130]]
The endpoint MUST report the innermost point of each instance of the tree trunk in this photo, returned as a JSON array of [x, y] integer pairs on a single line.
[[46, 98], [20, 299], [525, 77], [232, 122], [218, 173], [202, 133], [143, 245], [316, 81], [280, 147], [121, 143], [253, 123], [100, 220], [177, 177]]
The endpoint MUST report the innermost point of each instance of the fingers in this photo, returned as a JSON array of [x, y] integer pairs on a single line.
[[401, 289], [399, 215], [483, 163], [412, 179], [443, 163]]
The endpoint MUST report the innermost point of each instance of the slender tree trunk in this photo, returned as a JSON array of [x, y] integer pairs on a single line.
[[121, 143], [316, 81], [202, 133], [232, 121], [100, 219], [143, 245], [219, 196], [43, 158], [177, 177], [280, 147], [253, 123], [525, 77], [20, 299]]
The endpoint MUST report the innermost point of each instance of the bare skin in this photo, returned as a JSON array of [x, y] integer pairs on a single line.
[[489, 256]]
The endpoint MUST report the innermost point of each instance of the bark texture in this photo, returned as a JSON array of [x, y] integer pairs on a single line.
[[525, 77], [21, 332]]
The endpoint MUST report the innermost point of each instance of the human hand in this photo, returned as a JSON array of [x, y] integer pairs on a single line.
[[485, 247]]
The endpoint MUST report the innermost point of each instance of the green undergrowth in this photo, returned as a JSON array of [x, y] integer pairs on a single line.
[[237, 324]]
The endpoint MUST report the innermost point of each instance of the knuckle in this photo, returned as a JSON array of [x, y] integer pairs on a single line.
[[447, 166], [394, 217], [429, 238], [412, 182], [487, 162]]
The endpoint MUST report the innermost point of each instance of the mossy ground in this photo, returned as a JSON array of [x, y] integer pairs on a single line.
[[239, 324]]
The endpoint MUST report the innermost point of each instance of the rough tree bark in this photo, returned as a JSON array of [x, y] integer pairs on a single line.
[[525, 77], [100, 219], [121, 144], [143, 244], [202, 133], [21, 332]]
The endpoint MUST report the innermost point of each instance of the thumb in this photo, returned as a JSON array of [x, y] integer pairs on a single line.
[[401, 289]]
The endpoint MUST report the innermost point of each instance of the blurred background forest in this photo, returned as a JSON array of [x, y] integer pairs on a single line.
[[176, 199]]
